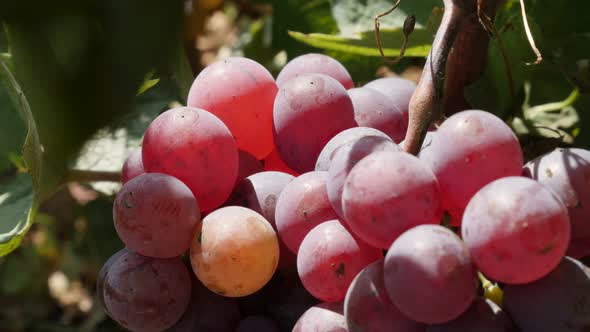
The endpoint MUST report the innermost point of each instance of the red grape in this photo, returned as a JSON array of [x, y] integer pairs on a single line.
[[302, 205], [197, 148], [373, 109], [324, 317], [235, 251], [329, 258], [516, 230], [348, 135], [155, 215], [146, 294], [309, 110], [387, 193], [399, 91], [471, 149], [344, 159], [567, 173], [102, 274], [429, 275], [132, 167], [241, 93], [273, 162], [560, 301], [315, 63], [367, 306]]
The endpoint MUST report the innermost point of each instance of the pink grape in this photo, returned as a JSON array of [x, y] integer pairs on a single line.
[[560, 301], [132, 167], [367, 306], [348, 135], [273, 162], [373, 109], [248, 165], [471, 149], [147, 294], [516, 229], [257, 324], [567, 173], [197, 148], [309, 110], [483, 316], [155, 215], [429, 275], [398, 90], [345, 157], [315, 63], [241, 93], [208, 311], [302, 205], [260, 192], [329, 258], [387, 193], [324, 317]]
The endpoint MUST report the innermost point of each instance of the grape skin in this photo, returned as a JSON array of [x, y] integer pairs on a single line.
[[155, 215], [560, 301], [367, 306], [324, 317], [472, 148], [516, 230], [132, 167], [302, 205], [374, 110], [387, 193], [566, 171], [241, 93], [273, 162], [398, 90], [483, 316], [345, 158], [315, 63], [257, 324], [208, 311], [329, 258], [146, 294], [348, 135], [197, 148], [102, 274], [309, 110], [429, 275], [235, 251]]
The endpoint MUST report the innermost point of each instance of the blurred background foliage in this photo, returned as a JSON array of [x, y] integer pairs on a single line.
[[81, 81]]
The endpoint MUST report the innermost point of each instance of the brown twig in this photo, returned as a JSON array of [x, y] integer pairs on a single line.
[[529, 35], [77, 175], [408, 28]]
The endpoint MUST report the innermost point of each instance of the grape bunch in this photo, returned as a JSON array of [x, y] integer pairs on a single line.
[[289, 204]]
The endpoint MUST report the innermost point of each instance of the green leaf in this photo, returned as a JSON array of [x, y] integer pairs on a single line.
[[148, 83], [19, 199], [364, 43], [355, 16]]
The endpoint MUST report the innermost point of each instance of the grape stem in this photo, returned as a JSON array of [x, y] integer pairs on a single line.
[[456, 59]]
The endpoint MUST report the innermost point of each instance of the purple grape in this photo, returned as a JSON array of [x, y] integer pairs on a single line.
[[483, 316], [429, 275], [560, 301], [399, 91], [146, 294], [567, 173], [315, 63], [516, 230], [348, 135], [374, 110], [102, 274], [367, 306], [155, 215]]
